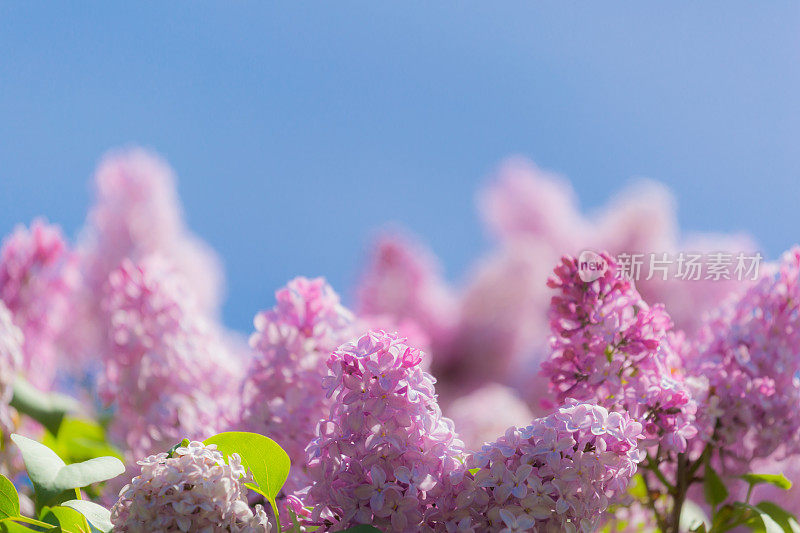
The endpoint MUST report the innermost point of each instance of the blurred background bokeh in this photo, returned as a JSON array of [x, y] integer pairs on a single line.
[[297, 129]]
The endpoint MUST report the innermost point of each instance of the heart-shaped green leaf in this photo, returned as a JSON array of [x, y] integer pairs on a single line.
[[762, 519], [97, 515], [9, 498], [53, 480], [261, 455], [779, 480]]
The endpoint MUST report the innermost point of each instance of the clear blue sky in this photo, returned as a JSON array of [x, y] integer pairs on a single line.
[[297, 127]]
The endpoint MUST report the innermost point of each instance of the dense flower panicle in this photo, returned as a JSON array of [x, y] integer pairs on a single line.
[[283, 395], [382, 455], [193, 490], [610, 347], [525, 203], [11, 341], [561, 473], [749, 350], [166, 369], [403, 281], [137, 213], [38, 275], [486, 413]]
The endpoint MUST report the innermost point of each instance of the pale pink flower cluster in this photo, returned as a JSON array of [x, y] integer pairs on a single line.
[[166, 370], [136, 214], [561, 473], [610, 347], [749, 350], [282, 395], [11, 341], [38, 276], [193, 490], [383, 454], [495, 327]]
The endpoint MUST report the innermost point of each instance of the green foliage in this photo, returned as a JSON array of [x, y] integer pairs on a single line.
[[9, 498], [80, 440], [262, 456], [69, 520], [779, 480], [97, 515], [49, 409], [53, 480], [713, 487]]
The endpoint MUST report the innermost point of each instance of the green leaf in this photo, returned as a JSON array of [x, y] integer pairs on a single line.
[[9, 498], [761, 519], [779, 480], [7, 526], [97, 515], [784, 518], [261, 455], [362, 528], [637, 489], [714, 488], [473, 471], [53, 480], [79, 440], [69, 520], [48, 409]]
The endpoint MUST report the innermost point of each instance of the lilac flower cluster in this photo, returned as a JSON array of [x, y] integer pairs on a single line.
[[610, 347], [193, 490], [384, 451], [38, 275], [11, 341], [282, 394], [749, 350], [166, 372], [561, 473]]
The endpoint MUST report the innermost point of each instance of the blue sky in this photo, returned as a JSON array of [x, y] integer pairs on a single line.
[[296, 128]]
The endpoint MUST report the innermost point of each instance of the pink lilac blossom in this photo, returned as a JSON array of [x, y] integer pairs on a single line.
[[561, 473], [610, 347], [383, 454], [403, 281], [194, 490], [482, 415], [137, 213], [37, 278], [11, 341], [166, 370], [525, 203], [283, 396], [749, 350]]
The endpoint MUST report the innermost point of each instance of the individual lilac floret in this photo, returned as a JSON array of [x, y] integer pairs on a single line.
[[404, 282], [137, 213], [749, 350], [283, 395], [166, 370], [37, 278], [383, 455], [193, 490], [611, 348], [562, 473], [11, 341]]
